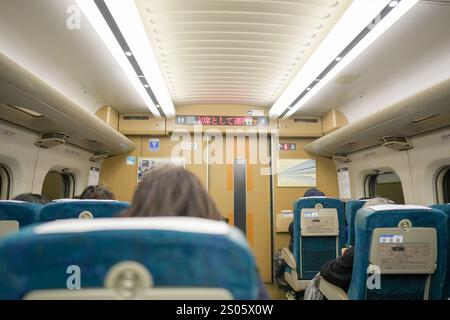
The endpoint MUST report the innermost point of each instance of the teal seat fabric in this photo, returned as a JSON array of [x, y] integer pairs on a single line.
[[25, 213], [72, 209], [351, 208], [177, 251], [311, 253], [396, 287], [446, 209]]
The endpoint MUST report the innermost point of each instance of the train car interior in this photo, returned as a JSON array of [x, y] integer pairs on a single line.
[[224, 150]]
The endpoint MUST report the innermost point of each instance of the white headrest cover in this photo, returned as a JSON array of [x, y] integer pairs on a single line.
[[383, 207], [315, 197], [180, 224], [69, 200]]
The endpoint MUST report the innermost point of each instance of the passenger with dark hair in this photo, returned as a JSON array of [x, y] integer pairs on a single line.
[[97, 193], [32, 197], [174, 191]]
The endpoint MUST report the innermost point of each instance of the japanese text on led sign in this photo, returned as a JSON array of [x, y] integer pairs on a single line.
[[240, 121]]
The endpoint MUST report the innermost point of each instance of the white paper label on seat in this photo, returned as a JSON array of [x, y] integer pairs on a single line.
[[319, 222], [391, 238], [411, 256]]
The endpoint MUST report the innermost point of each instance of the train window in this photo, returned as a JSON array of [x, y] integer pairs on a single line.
[[385, 185], [446, 187], [5, 182], [58, 185], [443, 185]]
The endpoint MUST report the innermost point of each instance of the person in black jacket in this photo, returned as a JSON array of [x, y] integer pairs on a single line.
[[339, 271]]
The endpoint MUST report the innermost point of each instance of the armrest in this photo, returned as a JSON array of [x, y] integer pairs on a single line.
[[288, 257], [330, 291]]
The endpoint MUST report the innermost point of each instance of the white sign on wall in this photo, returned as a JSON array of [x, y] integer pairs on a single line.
[[147, 164], [94, 176], [344, 183]]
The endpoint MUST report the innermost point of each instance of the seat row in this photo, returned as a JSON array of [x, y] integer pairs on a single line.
[[404, 246], [18, 214], [127, 258], [148, 258]]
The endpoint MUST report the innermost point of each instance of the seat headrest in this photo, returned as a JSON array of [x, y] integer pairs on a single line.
[[443, 207], [80, 200], [352, 206], [179, 224], [385, 207], [326, 202], [25, 213], [374, 216], [73, 208]]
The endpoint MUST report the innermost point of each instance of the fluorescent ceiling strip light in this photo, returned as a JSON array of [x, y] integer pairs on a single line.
[[129, 21], [403, 7], [95, 18], [358, 16]]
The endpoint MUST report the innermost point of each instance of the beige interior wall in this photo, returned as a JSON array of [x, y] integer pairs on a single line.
[[166, 145], [332, 121], [109, 116], [284, 197], [120, 177], [219, 181]]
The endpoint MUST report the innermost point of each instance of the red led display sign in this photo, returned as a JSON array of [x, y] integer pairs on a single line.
[[238, 121]]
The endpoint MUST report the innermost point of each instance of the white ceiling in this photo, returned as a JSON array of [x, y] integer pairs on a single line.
[[235, 51], [229, 52], [75, 62], [410, 57]]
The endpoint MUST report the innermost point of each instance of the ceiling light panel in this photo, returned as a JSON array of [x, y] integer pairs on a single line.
[[128, 20], [246, 51], [96, 19], [359, 27]]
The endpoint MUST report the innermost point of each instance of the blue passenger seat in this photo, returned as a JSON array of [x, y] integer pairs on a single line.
[[400, 254], [351, 208], [17, 214], [83, 209], [319, 236], [128, 258], [412, 266], [446, 209]]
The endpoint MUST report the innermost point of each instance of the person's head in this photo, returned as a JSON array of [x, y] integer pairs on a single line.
[[97, 193], [172, 191], [377, 202], [32, 197], [313, 192]]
